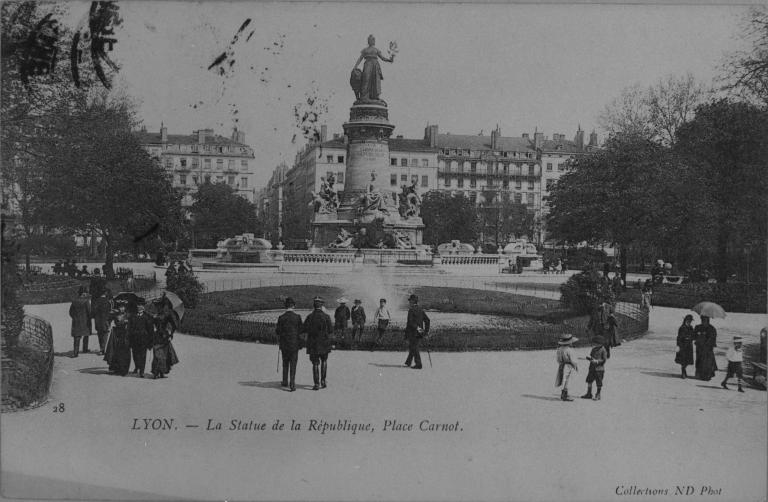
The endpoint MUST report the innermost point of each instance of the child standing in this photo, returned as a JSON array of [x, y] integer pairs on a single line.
[[381, 318], [735, 357], [597, 357], [566, 364]]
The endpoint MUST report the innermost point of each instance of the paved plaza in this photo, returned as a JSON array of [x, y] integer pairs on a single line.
[[509, 436]]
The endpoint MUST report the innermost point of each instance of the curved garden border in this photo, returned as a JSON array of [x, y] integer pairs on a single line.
[[212, 319]]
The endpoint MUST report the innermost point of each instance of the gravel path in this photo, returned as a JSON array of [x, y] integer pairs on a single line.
[[515, 439]]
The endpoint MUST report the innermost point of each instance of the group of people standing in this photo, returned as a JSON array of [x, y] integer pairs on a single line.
[[704, 338], [125, 331], [317, 331], [343, 315]]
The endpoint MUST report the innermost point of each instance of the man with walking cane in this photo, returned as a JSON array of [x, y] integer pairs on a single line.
[[416, 327], [289, 328]]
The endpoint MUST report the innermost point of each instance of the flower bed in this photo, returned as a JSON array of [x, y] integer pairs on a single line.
[[543, 321], [733, 297]]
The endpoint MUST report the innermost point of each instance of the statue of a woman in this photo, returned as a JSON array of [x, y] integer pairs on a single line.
[[371, 78]]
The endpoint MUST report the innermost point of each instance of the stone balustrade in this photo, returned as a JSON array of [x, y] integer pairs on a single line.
[[330, 259], [470, 259]]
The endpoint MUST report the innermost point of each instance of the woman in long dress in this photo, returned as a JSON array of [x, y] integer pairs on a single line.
[[684, 354], [118, 352], [163, 354], [372, 77], [705, 336]]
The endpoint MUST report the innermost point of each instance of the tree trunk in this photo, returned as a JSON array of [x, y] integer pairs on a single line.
[[109, 258], [623, 263]]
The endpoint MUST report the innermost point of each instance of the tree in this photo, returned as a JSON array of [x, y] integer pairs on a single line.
[[616, 195], [218, 213], [654, 113], [448, 217], [726, 147], [98, 178], [746, 71]]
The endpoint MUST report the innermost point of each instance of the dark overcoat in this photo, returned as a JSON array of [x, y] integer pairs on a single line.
[[100, 309], [80, 312], [318, 327], [417, 319], [341, 316], [289, 328]]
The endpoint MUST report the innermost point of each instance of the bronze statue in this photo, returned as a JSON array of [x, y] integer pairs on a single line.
[[369, 86]]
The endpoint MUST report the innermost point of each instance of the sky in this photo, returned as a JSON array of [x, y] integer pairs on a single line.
[[465, 67]]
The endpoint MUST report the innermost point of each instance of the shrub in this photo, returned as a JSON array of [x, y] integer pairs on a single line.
[[584, 291], [187, 287]]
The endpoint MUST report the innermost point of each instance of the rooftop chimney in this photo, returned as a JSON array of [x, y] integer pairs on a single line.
[[399, 136], [593, 138], [336, 135], [526, 136], [495, 138], [538, 138], [579, 139], [430, 134], [163, 133], [323, 133]]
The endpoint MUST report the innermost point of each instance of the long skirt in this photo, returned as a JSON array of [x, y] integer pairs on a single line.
[[118, 353], [163, 357], [705, 364]]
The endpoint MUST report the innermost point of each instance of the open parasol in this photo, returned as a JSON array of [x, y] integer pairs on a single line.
[[172, 300], [709, 309]]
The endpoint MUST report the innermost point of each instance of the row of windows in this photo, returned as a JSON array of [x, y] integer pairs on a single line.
[[560, 167], [206, 148], [473, 183], [477, 153], [505, 168], [339, 159], [404, 180], [219, 179], [404, 162], [530, 199], [193, 163]]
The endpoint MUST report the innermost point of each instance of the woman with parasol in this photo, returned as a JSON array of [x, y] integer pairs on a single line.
[[705, 339], [163, 354], [118, 351]]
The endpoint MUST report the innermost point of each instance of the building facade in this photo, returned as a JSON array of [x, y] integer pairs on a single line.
[[488, 169], [203, 156]]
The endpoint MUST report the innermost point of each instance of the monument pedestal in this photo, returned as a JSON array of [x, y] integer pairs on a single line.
[[367, 198]]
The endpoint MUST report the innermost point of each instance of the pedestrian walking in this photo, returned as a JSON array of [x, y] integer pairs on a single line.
[[566, 364], [318, 327], [100, 311], [705, 340], [97, 284], [597, 358], [289, 329], [381, 317], [80, 312], [358, 320], [341, 319], [118, 351], [163, 354], [141, 330], [684, 353], [416, 327], [735, 356]]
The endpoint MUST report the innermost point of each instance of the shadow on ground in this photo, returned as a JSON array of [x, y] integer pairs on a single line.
[[379, 365], [277, 385], [542, 398], [663, 374]]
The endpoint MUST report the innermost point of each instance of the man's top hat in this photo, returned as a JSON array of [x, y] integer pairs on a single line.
[[413, 298]]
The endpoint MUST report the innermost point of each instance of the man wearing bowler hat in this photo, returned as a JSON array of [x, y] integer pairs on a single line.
[[318, 327], [289, 327], [416, 327]]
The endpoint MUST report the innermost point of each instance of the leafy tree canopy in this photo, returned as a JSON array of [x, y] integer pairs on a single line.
[[218, 213]]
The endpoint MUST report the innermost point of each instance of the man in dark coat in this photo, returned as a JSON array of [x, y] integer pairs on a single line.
[[100, 310], [416, 327], [318, 327], [141, 331], [80, 312], [97, 284], [289, 329], [358, 321], [341, 317]]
